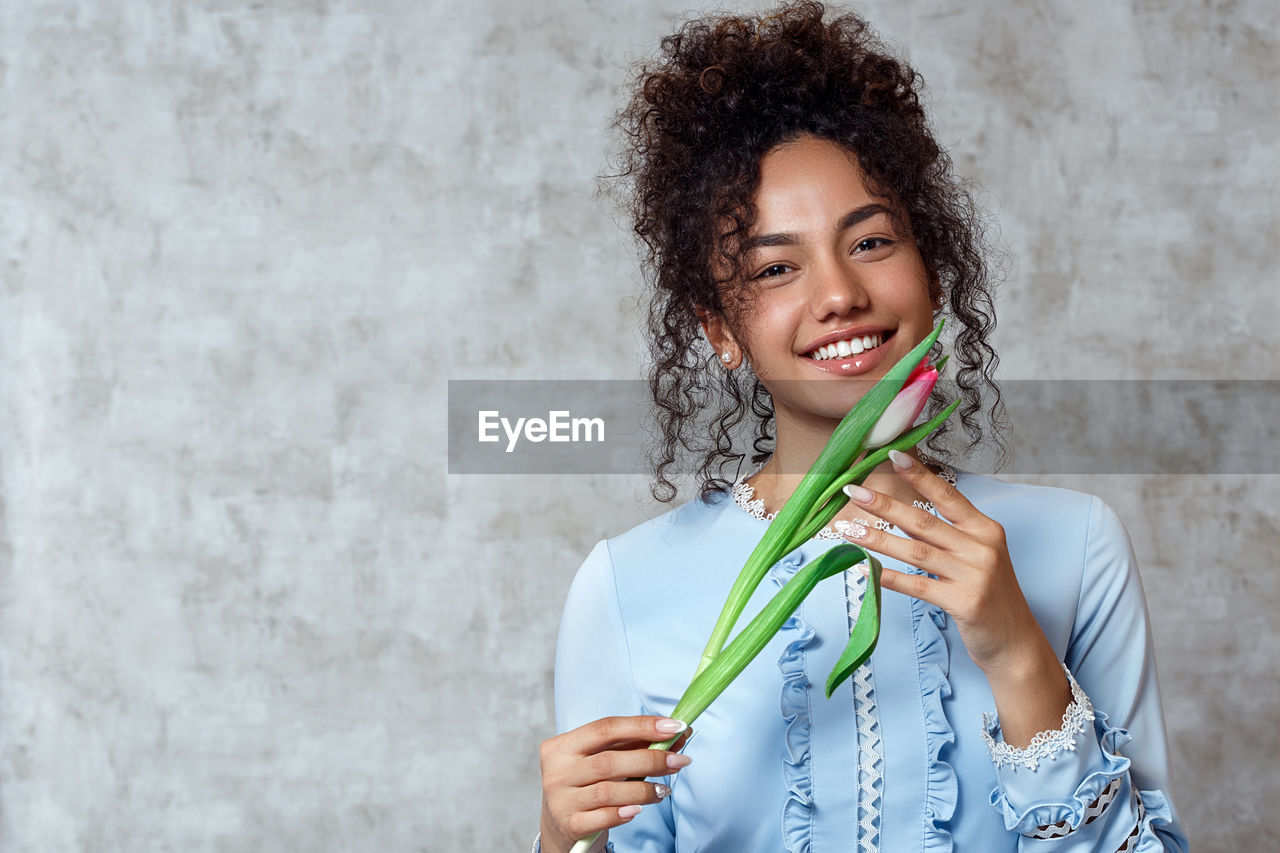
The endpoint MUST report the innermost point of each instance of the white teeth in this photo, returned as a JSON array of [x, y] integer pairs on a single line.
[[843, 349]]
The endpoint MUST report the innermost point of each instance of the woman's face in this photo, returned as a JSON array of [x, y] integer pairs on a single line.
[[838, 292]]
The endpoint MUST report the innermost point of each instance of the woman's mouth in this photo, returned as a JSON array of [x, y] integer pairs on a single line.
[[851, 347], [864, 354]]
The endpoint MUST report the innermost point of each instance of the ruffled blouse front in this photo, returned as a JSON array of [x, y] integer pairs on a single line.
[[899, 757]]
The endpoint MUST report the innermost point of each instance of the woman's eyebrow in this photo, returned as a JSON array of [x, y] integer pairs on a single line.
[[787, 238]]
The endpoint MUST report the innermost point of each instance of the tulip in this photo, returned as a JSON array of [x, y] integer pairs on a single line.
[[905, 408]]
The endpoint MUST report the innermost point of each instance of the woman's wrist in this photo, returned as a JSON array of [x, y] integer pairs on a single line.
[[1031, 692], [549, 840]]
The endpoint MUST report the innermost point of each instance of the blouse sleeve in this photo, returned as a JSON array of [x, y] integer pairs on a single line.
[[594, 679], [1101, 782]]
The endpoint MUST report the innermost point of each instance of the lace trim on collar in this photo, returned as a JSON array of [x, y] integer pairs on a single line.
[[744, 497]]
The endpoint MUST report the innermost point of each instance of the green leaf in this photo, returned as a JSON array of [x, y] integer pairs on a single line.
[[712, 681], [865, 633]]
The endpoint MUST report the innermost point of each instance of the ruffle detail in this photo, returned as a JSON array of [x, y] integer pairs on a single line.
[[1072, 812], [1157, 813], [797, 811], [933, 660]]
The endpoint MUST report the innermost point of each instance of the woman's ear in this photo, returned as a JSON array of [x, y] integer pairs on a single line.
[[935, 289], [720, 336]]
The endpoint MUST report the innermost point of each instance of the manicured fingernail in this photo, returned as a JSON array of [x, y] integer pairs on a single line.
[[675, 760], [628, 812], [863, 569], [670, 727], [861, 494], [850, 529], [661, 791], [901, 461]]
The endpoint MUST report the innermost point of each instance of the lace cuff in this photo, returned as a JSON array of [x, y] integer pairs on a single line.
[[1047, 744], [1065, 779]]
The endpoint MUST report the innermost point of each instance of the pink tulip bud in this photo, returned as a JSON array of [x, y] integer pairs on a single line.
[[905, 408]]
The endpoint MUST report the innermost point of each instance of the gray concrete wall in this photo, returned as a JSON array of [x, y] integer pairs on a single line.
[[244, 245]]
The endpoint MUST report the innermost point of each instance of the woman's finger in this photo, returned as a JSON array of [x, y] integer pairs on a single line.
[[581, 824], [631, 764], [612, 732], [922, 587], [603, 795], [919, 524], [609, 804], [946, 498], [914, 552]]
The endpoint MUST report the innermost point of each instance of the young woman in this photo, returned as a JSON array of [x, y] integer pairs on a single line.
[[802, 221]]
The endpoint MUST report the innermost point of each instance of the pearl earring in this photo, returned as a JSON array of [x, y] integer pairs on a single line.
[[725, 357]]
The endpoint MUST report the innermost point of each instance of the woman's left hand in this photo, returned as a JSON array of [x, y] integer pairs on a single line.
[[967, 552]]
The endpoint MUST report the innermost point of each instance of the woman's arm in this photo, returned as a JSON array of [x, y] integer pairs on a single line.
[[605, 729], [1062, 779], [1112, 745], [1112, 758]]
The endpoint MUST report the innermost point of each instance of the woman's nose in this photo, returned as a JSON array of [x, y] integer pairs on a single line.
[[837, 292]]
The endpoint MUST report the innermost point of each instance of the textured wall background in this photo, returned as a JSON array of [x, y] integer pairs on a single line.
[[244, 245]]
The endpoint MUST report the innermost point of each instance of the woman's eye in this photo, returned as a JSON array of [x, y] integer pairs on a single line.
[[773, 270], [870, 244]]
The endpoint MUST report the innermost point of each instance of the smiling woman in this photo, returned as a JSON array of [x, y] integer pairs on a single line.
[[800, 217], [701, 122], [823, 250]]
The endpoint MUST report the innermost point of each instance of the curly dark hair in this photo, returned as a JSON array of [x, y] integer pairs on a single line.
[[725, 91]]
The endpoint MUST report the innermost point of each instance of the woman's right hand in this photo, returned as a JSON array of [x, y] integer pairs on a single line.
[[588, 773]]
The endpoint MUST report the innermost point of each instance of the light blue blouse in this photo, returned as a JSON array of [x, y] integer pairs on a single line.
[[896, 760]]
